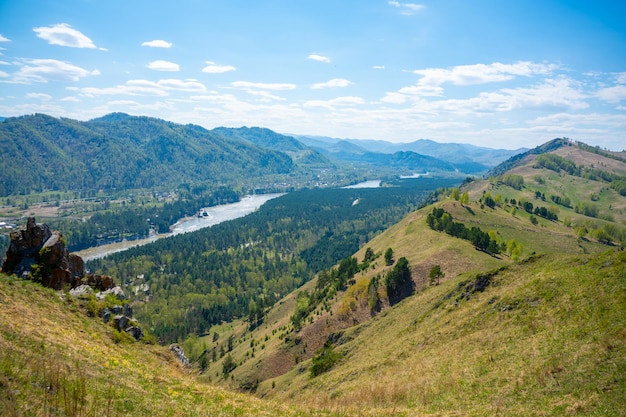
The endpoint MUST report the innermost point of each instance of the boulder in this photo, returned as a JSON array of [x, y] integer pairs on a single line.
[[106, 315], [135, 332], [128, 310], [117, 309], [180, 354], [117, 291], [120, 322], [81, 291]]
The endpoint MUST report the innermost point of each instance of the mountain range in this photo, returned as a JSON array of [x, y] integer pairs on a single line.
[[119, 151]]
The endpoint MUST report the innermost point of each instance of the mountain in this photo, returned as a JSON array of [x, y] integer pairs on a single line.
[[119, 151], [268, 139], [526, 316], [455, 153]]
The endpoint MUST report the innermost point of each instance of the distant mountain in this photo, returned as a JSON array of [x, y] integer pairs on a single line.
[[119, 151], [468, 158]]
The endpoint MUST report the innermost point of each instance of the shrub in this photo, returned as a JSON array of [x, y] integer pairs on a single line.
[[324, 359]]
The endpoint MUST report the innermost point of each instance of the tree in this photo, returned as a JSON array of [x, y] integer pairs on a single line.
[[436, 275], [464, 198], [398, 281], [369, 255], [389, 256], [228, 365], [455, 194]]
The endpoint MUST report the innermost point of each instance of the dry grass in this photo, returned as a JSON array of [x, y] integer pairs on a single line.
[[56, 361], [547, 338]]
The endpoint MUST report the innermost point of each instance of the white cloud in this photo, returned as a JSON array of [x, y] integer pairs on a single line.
[[145, 88], [213, 68], [319, 58], [3, 39], [407, 9], [481, 73], [70, 99], [39, 96], [613, 94], [378, 67], [333, 103], [44, 70], [157, 43], [335, 82], [264, 86], [62, 34], [163, 66]]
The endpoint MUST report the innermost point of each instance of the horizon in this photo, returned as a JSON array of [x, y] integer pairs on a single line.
[[502, 76]]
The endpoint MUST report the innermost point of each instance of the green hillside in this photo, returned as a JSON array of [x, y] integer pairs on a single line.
[[119, 151], [534, 325], [57, 361]]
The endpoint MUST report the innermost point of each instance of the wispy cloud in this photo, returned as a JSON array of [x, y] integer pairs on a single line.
[[378, 67], [319, 58], [144, 88], [157, 43], [407, 9], [264, 86], [44, 70], [335, 82], [335, 102], [213, 68], [3, 39], [63, 34], [481, 73], [163, 66], [39, 96]]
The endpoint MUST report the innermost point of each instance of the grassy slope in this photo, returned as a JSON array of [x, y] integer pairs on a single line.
[[546, 338], [56, 361], [531, 345]]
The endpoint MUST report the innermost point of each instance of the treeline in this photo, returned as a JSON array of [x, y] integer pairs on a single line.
[[557, 163], [238, 268], [440, 220]]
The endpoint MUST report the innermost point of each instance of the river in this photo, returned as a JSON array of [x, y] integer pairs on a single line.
[[214, 215]]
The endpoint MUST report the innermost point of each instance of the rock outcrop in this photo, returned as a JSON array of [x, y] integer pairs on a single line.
[[37, 253]]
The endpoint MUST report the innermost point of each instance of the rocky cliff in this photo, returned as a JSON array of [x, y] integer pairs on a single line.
[[37, 253]]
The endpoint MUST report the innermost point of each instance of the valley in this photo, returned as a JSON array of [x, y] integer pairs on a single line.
[[435, 294]]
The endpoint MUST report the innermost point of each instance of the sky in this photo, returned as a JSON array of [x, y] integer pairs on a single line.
[[500, 74]]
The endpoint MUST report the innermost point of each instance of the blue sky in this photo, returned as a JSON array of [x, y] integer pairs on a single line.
[[501, 74]]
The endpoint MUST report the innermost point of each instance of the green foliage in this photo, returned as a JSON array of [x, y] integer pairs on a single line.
[[373, 299], [398, 281], [323, 360], [123, 152], [228, 365], [440, 220], [513, 181], [389, 256], [435, 275], [557, 163]]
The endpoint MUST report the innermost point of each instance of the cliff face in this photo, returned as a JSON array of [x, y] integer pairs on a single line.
[[40, 254]]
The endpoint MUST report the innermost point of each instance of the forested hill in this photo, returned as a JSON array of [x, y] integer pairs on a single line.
[[119, 151]]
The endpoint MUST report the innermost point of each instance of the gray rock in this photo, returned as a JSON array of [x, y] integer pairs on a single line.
[[121, 322], [106, 315], [135, 332], [81, 290], [128, 310], [117, 291], [180, 354], [117, 309]]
